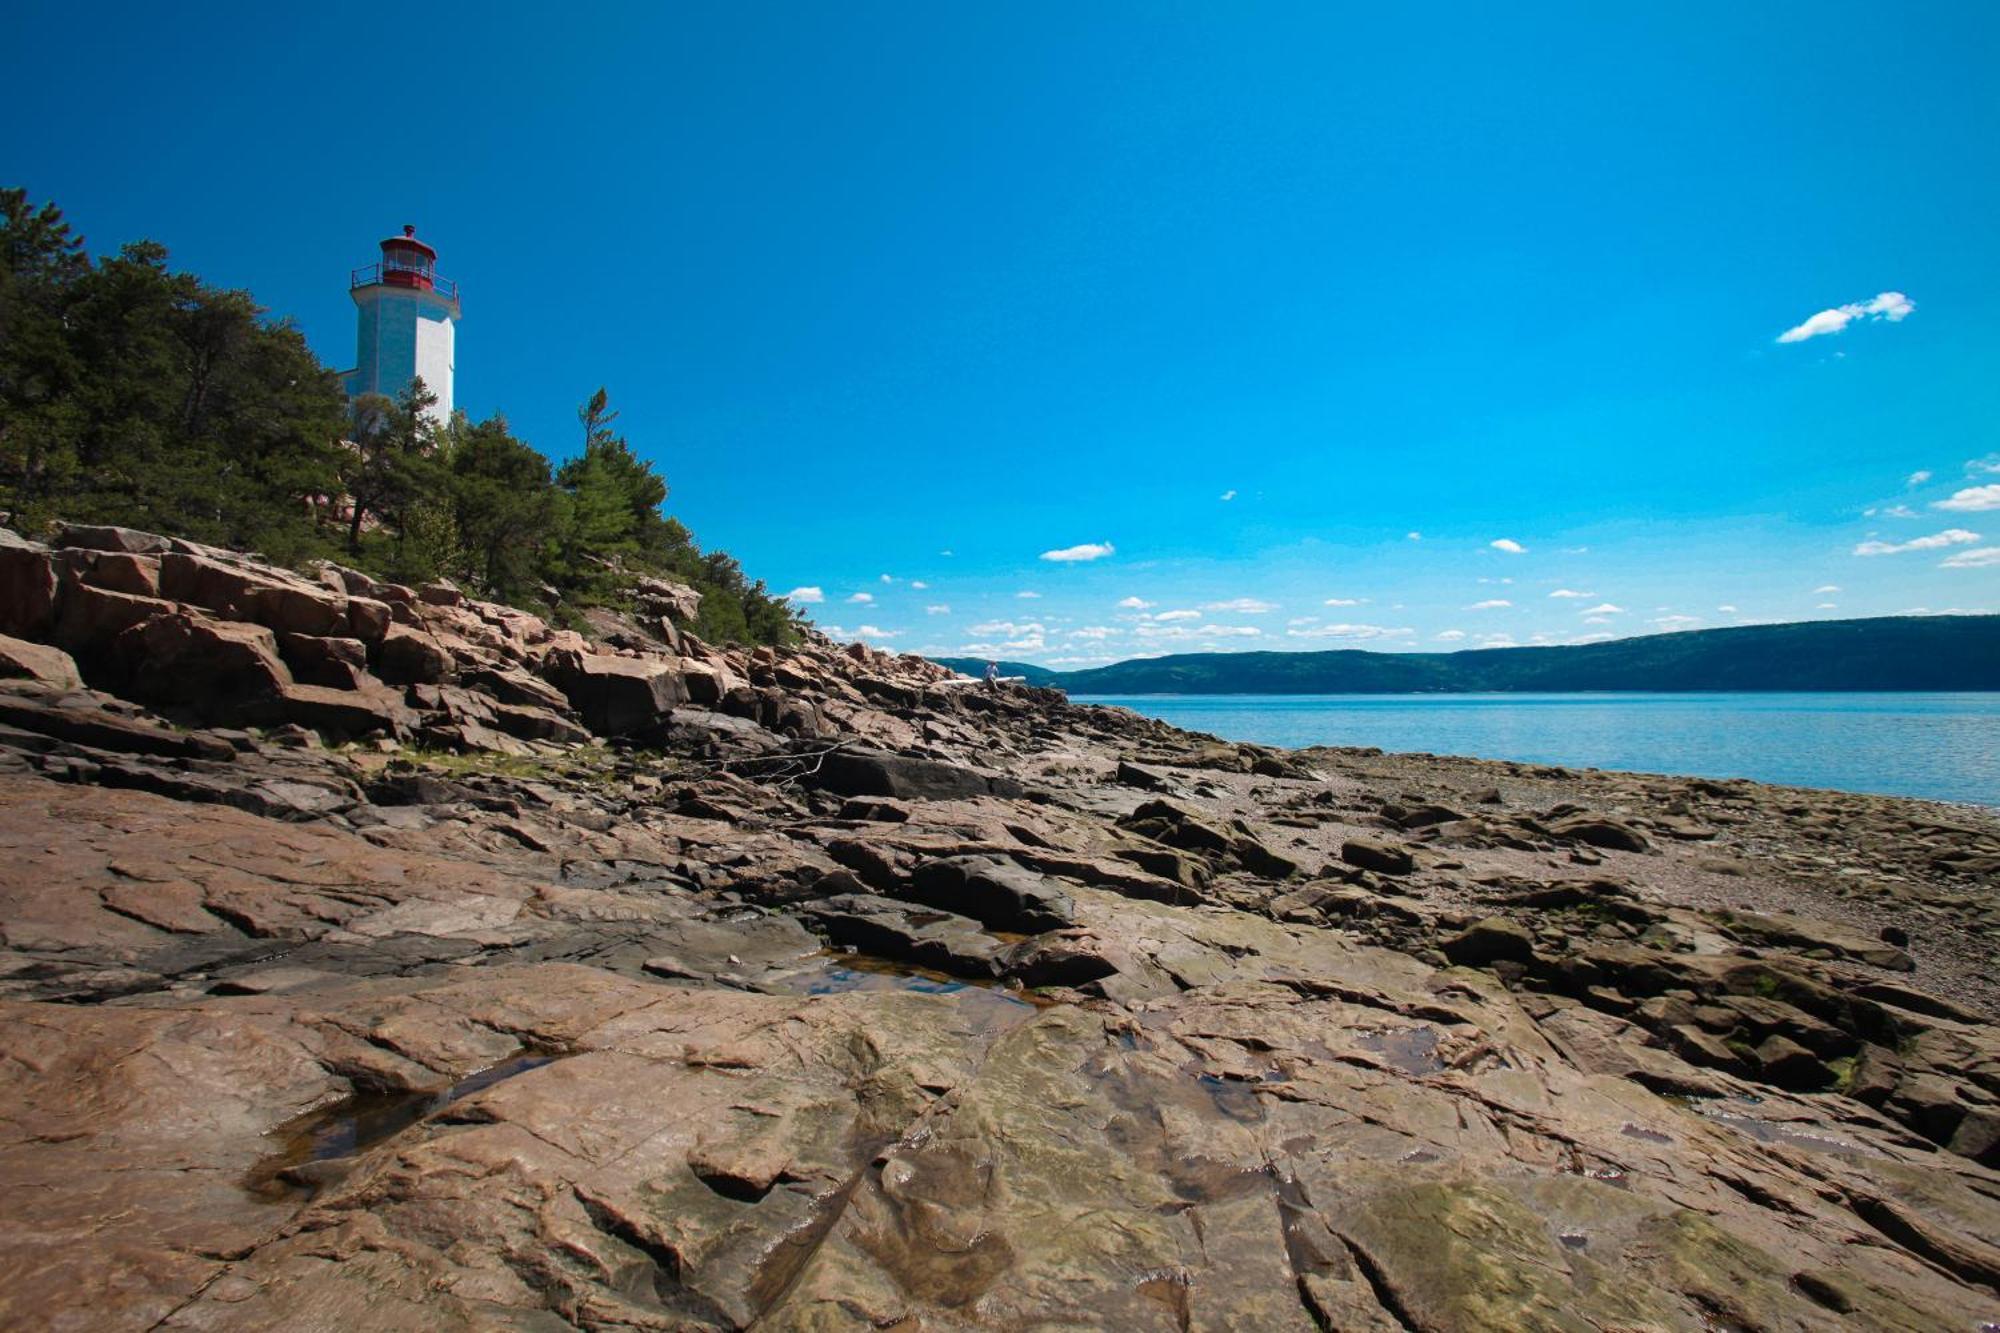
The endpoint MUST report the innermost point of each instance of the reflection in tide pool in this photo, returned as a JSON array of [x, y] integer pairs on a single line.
[[1941, 746]]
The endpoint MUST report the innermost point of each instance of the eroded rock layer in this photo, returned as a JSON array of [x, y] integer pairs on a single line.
[[375, 958]]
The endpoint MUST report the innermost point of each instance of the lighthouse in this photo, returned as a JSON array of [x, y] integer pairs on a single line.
[[406, 321]]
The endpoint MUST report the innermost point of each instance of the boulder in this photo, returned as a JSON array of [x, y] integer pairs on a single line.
[[405, 656], [346, 713], [121, 572], [1597, 831], [510, 686], [877, 773], [89, 618], [1145, 779], [886, 928], [38, 661], [996, 892], [664, 597], [1790, 1065], [339, 663], [86, 537], [368, 619], [224, 670], [27, 587], [1380, 857], [1497, 939], [616, 695]]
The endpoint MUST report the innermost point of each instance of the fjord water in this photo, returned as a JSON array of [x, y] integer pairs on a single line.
[[1943, 747]]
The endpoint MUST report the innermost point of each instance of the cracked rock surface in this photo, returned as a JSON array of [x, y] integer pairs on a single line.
[[832, 993]]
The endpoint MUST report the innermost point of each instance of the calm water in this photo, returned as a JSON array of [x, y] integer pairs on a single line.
[[1942, 746]]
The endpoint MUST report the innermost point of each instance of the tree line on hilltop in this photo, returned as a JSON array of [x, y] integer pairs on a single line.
[[137, 395]]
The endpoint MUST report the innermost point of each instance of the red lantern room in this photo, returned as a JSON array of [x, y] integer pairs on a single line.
[[409, 262]]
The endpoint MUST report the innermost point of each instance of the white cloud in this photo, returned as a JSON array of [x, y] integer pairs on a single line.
[[1727, 610], [1085, 551], [1241, 606], [1229, 631], [1229, 495], [1178, 615], [1827, 606], [1597, 620], [1571, 592], [1028, 594], [1344, 601], [1449, 635], [1976, 466], [1491, 604], [1890, 511], [938, 609], [870, 632], [888, 578], [1918, 478], [1980, 557], [920, 585], [1826, 588], [1604, 609], [1972, 500], [806, 596], [1009, 629], [1496, 580], [1494, 640], [862, 598], [1095, 632], [944, 553], [1509, 545], [1413, 536], [1675, 622], [1355, 632], [1949, 537], [1133, 604], [1892, 306]]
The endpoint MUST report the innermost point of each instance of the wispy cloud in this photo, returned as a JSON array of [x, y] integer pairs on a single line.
[[919, 585], [938, 609], [1918, 478], [1350, 632], [1971, 500], [1675, 622], [1085, 551], [1241, 606], [862, 598], [1133, 604], [1449, 635], [1009, 629], [1509, 545], [1229, 495], [1982, 466], [1413, 536], [806, 596], [1892, 306], [1490, 604], [888, 578], [1344, 601], [870, 632], [1979, 557], [1890, 511], [1178, 615], [1604, 609], [1936, 541], [1571, 592], [1027, 594]]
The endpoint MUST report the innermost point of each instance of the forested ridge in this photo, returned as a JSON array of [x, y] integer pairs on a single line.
[[1880, 653], [135, 394]]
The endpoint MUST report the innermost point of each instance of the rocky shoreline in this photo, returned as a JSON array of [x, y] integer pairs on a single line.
[[373, 957]]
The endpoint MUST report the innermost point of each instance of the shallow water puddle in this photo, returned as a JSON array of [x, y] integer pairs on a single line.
[[357, 1123], [1411, 1051], [1794, 1136], [989, 1008]]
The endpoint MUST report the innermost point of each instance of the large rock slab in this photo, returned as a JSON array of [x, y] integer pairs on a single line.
[[616, 695]]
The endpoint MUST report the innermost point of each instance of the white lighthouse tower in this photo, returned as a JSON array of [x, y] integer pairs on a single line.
[[406, 325]]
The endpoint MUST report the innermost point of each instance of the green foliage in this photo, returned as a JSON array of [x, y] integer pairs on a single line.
[[133, 394]]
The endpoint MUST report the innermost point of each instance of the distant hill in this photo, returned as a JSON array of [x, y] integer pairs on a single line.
[[1886, 653], [976, 666]]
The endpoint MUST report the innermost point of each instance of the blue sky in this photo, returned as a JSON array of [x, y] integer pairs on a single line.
[[903, 297]]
